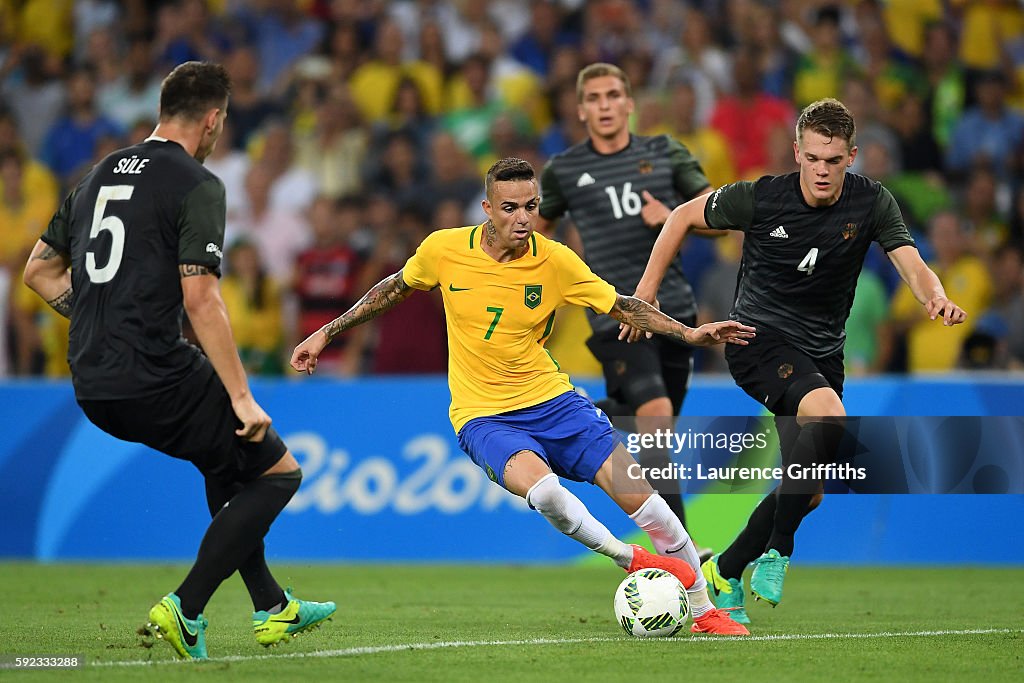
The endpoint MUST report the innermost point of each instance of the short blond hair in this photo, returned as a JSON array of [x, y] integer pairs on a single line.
[[597, 70]]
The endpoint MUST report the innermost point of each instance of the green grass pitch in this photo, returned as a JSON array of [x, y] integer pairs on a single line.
[[486, 623]]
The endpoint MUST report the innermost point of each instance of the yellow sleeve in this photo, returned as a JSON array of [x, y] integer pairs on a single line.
[[420, 271], [578, 284]]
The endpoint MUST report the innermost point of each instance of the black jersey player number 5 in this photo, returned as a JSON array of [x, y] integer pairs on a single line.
[[113, 225]]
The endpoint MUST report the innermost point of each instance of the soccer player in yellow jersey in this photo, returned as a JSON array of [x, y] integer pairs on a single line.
[[516, 414]]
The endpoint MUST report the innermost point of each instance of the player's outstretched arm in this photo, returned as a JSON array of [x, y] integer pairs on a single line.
[[639, 314], [48, 273], [925, 285], [382, 296]]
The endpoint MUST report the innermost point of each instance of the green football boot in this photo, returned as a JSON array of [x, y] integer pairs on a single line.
[[186, 636], [769, 573], [727, 593], [296, 617]]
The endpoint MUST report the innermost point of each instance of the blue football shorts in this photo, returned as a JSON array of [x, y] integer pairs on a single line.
[[568, 432]]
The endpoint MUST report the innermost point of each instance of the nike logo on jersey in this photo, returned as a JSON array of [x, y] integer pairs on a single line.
[[780, 232], [453, 288], [585, 179]]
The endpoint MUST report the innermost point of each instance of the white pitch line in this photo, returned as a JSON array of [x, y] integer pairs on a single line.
[[380, 649]]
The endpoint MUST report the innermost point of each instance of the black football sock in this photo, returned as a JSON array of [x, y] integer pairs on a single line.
[[818, 443], [235, 533], [749, 545], [264, 590]]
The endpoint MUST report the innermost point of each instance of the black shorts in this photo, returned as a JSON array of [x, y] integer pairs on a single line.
[[778, 375], [651, 368], [193, 421]]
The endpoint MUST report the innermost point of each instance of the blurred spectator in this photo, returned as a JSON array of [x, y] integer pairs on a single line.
[[23, 216], [544, 36], [1007, 309], [707, 144], [104, 52], [408, 116], [918, 149], [72, 140], [375, 82], [945, 78], [283, 35], [821, 71], [698, 60], [334, 152], [254, 304], [919, 195], [280, 234], [472, 112], [184, 33], [452, 176], [866, 350], [136, 92], [986, 224], [907, 22], [777, 60], [930, 345], [987, 133], [93, 15], [889, 78], [48, 24], [344, 50], [326, 274], [33, 94], [860, 99], [510, 81], [567, 129], [397, 169], [38, 184], [292, 186], [40, 335], [746, 117], [986, 29], [231, 166], [248, 108]]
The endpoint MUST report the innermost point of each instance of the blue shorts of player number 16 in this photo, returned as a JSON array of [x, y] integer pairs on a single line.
[[568, 432]]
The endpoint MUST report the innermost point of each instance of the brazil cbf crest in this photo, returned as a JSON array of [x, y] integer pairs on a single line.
[[532, 296]]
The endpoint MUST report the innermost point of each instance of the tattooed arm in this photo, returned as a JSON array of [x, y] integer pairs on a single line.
[[641, 315], [48, 272], [383, 296]]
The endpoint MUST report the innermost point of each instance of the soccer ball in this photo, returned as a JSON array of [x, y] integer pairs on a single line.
[[651, 603]]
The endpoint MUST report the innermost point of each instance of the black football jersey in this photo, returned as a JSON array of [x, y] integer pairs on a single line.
[[603, 194], [800, 263], [133, 219]]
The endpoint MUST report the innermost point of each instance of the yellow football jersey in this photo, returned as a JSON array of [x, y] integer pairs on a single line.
[[500, 314]]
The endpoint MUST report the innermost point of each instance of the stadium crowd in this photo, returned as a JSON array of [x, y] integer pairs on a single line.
[[355, 127]]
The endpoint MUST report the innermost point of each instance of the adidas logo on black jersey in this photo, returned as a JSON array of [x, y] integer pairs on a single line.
[[585, 179], [780, 232]]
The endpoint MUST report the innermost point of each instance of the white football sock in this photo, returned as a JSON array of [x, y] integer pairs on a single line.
[[670, 539], [568, 514]]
